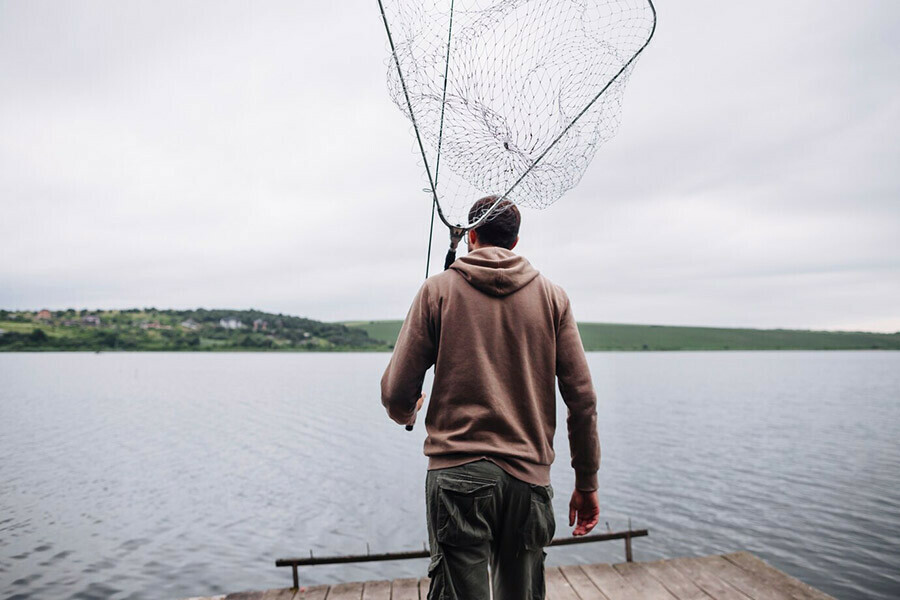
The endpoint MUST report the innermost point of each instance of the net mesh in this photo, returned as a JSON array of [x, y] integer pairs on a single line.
[[518, 73]]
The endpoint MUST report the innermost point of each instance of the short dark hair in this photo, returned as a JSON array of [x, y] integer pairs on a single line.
[[501, 228]]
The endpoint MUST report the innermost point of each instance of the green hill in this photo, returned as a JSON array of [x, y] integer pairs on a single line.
[[608, 336], [151, 329], [175, 330]]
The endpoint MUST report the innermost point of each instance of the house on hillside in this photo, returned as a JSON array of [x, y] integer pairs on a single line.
[[230, 323], [260, 325], [44, 315], [190, 324], [92, 320]]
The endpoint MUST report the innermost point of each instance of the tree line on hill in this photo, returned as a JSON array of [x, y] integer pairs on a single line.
[[156, 329]]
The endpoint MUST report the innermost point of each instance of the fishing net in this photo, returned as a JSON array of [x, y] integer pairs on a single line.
[[511, 97]]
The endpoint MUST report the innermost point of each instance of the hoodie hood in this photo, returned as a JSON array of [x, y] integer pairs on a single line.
[[495, 271]]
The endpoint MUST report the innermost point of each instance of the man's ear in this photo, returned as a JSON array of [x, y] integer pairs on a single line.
[[473, 237], [514, 243]]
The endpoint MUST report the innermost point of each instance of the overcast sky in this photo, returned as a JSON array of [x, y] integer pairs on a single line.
[[246, 154]]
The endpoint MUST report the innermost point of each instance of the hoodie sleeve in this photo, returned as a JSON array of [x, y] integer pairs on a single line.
[[413, 355], [578, 393]]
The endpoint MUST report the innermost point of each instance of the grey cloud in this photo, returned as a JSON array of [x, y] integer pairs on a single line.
[[247, 154]]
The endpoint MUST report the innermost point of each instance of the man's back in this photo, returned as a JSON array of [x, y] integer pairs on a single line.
[[499, 334]]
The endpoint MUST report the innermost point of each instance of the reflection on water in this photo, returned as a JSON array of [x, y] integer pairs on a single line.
[[172, 475]]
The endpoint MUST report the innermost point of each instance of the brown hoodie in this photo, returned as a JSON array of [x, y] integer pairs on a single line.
[[499, 335]]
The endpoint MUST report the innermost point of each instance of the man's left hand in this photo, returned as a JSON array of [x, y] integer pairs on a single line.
[[584, 512]]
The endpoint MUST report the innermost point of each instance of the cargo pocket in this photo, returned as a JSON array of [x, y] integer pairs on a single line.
[[540, 525], [464, 506], [436, 575]]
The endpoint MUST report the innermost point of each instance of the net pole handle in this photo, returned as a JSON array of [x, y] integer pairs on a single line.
[[456, 234]]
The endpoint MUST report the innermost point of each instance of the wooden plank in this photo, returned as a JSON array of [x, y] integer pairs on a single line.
[[582, 584], [645, 585], [405, 589], [282, 594], [611, 583], [377, 590], [678, 584], [557, 586], [317, 592], [746, 581], [701, 574], [345, 591], [776, 578], [424, 584]]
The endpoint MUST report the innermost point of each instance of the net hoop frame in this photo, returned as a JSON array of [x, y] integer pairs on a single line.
[[432, 179]]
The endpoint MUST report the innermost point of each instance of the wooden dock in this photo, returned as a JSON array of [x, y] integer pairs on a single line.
[[735, 576]]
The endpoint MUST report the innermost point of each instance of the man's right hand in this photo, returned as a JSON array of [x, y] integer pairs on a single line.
[[585, 509], [419, 402]]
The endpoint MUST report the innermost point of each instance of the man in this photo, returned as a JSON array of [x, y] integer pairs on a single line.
[[499, 335]]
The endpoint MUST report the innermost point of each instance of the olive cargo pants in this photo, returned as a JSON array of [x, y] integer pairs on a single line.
[[478, 515]]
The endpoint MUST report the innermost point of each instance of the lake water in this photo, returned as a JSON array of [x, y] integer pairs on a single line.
[[172, 475]]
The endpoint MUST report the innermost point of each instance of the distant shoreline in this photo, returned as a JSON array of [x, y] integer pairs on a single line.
[[226, 330], [388, 351], [614, 337]]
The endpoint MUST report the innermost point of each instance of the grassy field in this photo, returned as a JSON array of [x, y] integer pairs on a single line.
[[609, 336]]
